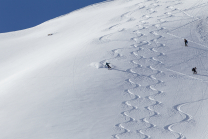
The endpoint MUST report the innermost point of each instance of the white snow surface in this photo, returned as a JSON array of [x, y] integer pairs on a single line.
[[58, 87]]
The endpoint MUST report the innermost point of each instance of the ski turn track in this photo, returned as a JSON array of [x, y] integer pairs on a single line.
[[186, 119], [140, 107], [125, 132]]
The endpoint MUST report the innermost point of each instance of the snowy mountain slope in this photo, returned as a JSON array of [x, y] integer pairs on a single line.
[[57, 86]]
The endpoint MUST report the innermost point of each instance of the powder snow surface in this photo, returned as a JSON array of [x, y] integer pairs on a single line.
[[54, 83]]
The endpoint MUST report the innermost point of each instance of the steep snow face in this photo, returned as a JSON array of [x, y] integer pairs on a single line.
[[54, 82]]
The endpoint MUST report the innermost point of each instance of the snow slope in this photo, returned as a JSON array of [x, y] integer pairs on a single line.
[[57, 86]]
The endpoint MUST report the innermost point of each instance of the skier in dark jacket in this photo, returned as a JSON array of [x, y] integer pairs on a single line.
[[107, 64], [186, 42], [194, 70]]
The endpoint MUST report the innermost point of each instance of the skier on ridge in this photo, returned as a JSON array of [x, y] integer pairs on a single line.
[[107, 64], [194, 70], [186, 42]]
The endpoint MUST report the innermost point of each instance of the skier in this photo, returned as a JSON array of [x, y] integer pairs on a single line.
[[107, 64], [186, 42], [194, 70]]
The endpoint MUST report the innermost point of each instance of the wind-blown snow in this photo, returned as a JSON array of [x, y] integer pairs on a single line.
[[55, 85]]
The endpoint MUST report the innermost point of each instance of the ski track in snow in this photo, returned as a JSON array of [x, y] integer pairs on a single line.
[[135, 97], [186, 119], [141, 45]]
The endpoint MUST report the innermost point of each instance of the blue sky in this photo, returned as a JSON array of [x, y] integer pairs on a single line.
[[21, 14]]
